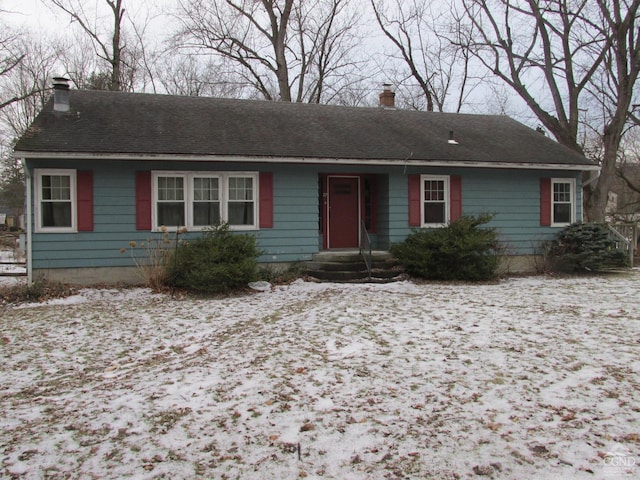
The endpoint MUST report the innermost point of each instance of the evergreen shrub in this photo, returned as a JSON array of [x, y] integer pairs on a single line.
[[463, 250], [217, 262], [586, 247]]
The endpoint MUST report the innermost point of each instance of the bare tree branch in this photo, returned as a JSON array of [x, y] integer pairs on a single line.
[[427, 41], [584, 55], [110, 50], [13, 54], [285, 50]]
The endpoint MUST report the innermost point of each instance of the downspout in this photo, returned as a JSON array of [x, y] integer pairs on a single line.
[[591, 180], [29, 222]]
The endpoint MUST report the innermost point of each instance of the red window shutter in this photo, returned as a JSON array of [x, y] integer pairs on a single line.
[[545, 202], [414, 201], [266, 200], [455, 197], [84, 194], [143, 200]]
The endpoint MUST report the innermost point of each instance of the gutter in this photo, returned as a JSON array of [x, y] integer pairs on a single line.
[[28, 249], [303, 160]]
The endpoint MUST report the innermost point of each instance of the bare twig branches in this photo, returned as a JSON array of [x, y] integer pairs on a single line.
[[110, 49], [564, 57], [427, 43], [283, 50]]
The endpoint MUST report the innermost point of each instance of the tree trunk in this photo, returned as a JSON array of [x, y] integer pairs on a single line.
[[116, 59], [596, 204], [282, 70], [278, 40]]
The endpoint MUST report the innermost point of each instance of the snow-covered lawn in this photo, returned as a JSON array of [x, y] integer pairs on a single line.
[[532, 378]]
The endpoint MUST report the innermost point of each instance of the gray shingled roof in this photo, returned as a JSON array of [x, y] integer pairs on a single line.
[[133, 123]]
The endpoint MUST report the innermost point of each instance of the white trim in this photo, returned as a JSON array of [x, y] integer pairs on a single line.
[[255, 176], [29, 223], [572, 182], [223, 186], [191, 188], [305, 160], [155, 227], [447, 200], [59, 172]]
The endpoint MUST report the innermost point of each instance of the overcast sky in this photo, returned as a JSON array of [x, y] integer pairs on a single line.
[[38, 16], [30, 13]]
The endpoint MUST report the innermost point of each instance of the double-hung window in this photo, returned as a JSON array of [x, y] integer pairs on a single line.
[[171, 200], [563, 201], [55, 206], [201, 199], [434, 190], [206, 201], [241, 203]]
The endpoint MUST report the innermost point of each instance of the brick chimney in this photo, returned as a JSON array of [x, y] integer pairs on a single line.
[[387, 97], [60, 94]]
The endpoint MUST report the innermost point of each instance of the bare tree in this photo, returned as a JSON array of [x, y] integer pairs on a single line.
[[108, 46], [122, 56], [627, 185], [426, 40], [197, 77], [634, 115], [285, 50], [327, 38], [624, 204], [614, 89], [79, 62], [12, 54], [28, 82], [144, 56], [563, 57]]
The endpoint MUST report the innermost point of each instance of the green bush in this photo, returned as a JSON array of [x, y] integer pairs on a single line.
[[217, 262], [585, 247], [461, 251]]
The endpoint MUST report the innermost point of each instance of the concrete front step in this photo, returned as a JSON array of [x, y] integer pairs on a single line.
[[355, 276], [349, 256], [349, 266]]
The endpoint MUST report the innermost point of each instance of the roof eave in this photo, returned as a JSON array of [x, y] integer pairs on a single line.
[[301, 160]]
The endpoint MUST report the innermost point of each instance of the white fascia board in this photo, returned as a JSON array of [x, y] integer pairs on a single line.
[[302, 160]]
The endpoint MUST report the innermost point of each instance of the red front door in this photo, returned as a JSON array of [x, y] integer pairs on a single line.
[[344, 212]]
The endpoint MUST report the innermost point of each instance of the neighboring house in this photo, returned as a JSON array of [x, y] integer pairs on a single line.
[[10, 219], [107, 168], [624, 201]]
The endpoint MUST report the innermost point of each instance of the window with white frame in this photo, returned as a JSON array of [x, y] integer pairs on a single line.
[[563, 204], [206, 201], [200, 199], [170, 202], [434, 192], [55, 200]]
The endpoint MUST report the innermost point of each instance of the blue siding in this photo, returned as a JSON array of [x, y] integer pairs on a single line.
[[293, 238], [398, 207], [381, 238], [294, 235], [513, 196]]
